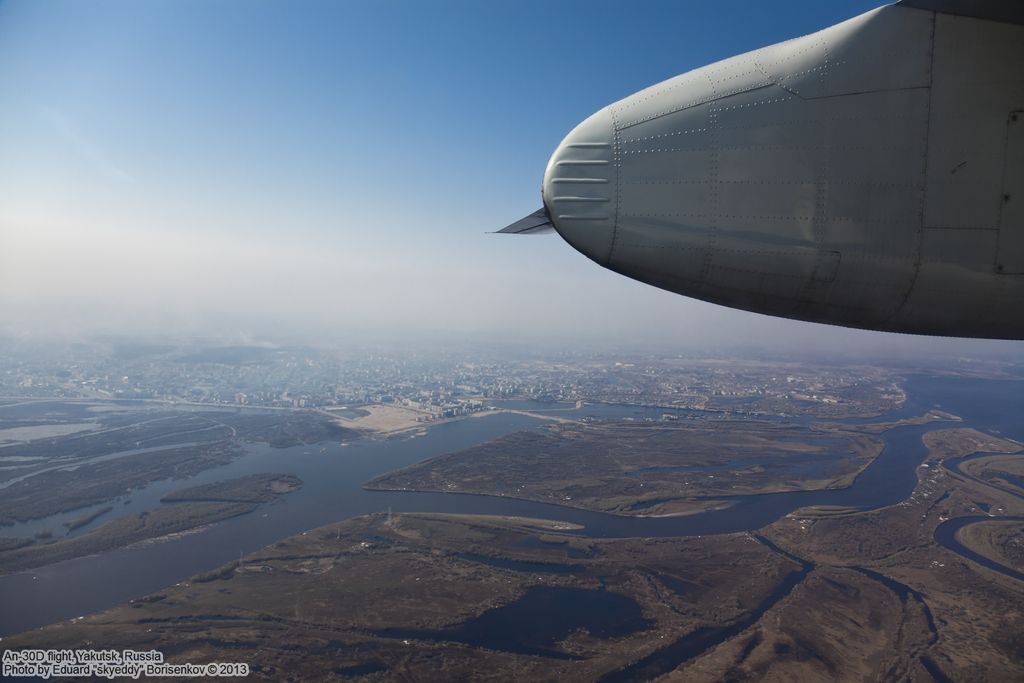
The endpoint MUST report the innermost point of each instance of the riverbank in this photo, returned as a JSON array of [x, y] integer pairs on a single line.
[[651, 469], [532, 604], [815, 631], [194, 508]]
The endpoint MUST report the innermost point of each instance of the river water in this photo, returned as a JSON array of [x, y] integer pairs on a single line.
[[333, 476]]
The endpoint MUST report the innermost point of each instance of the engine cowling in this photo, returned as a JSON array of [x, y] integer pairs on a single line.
[[868, 175]]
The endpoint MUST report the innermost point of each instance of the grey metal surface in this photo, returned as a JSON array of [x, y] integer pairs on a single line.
[[1010, 253], [854, 176], [1009, 11], [536, 223]]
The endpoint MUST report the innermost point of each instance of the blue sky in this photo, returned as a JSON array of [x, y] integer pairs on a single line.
[[344, 102], [329, 169]]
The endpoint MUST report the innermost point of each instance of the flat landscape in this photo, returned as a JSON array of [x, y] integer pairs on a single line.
[[75, 463], [1002, 541], [385, 419], [626, 541], [504, 598], [812, 597], [971, 618], [646, 468], [192, 508]]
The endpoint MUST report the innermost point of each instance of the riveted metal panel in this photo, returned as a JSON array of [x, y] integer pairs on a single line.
[[750, 190], [665, 165], [885, 49], [954, 286], [827, 267], [965, 248], [995, 10], [1010, 258], [795, 180], [977, 81], [676, 196]]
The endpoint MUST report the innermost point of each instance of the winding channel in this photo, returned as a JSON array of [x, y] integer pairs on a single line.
[[945, 535], [333, 478]]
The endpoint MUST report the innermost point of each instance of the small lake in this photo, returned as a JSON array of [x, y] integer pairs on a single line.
[[536, 622]]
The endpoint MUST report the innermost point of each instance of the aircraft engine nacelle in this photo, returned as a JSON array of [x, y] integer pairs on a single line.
[[868, 175]]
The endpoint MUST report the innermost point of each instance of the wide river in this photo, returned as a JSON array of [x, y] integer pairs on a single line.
[[333, 476]]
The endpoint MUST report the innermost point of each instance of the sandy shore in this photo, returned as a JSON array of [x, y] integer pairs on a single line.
[[389, 420], [385, 419]]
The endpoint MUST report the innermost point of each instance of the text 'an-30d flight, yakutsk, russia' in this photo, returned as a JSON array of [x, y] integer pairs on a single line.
[[869, 175]]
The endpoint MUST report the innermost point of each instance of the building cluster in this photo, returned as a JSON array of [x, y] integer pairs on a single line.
[[445, 384]]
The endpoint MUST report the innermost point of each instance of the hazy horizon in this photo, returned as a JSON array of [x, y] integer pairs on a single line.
[[328, 174]]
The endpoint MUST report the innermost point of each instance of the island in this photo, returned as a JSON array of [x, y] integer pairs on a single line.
[[129, 446], [646, 468], [192, 509]]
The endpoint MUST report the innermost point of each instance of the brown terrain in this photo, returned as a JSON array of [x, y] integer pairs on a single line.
[[646, 468], [820, 595]]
